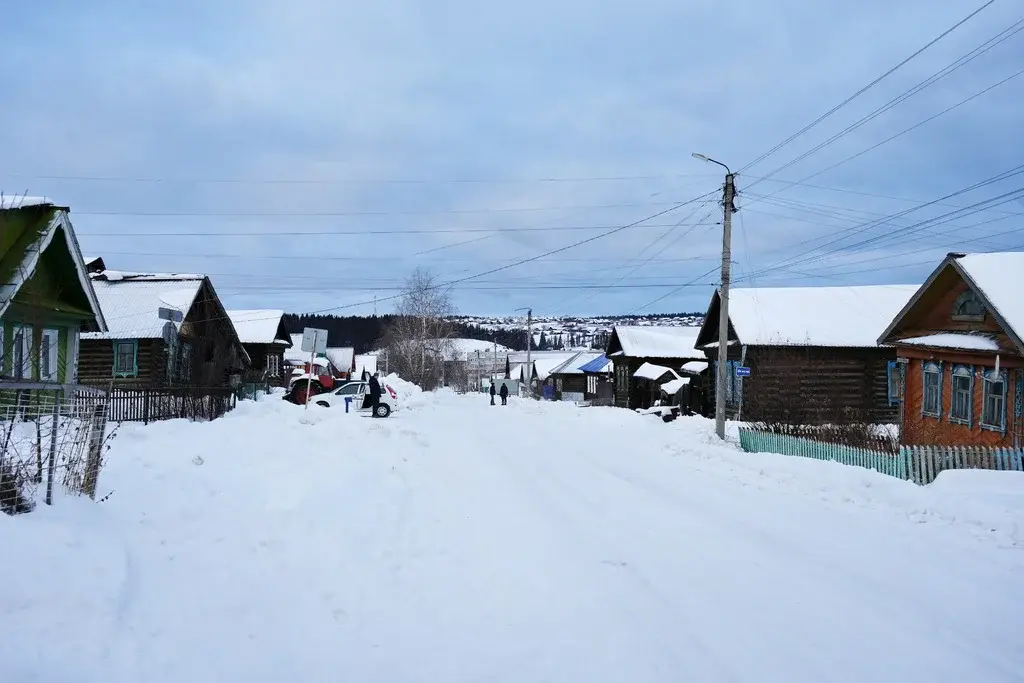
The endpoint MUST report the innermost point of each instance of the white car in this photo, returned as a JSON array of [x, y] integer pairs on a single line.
[[354, 397]]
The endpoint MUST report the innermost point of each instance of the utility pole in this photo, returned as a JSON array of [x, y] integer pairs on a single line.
[[722, 376], [527, 373]]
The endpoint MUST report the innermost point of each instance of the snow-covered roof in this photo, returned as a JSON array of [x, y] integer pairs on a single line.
[[30, 259], [1000, 278], [118, 275], [653, 372], [573, 366], [599, 364], [657, 341], [815, 316], [695, 366], [131, 306], [342, 357], [256, 326], [17, 201], [546, 363], [954, 340], [673, 386]]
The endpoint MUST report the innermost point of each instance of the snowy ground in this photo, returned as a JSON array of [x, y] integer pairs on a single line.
[[536, 542]]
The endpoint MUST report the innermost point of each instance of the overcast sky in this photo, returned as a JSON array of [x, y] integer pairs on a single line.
[[308, 155]]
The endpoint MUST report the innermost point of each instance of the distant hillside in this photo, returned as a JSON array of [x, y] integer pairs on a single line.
[[549, 332]]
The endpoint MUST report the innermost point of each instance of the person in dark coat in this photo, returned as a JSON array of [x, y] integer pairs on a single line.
[[504, 394], [374, 394], [492, 392]]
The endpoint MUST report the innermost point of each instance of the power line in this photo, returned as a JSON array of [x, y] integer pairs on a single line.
[[491, 271], [848, 232], [400, 231], [335, 214], [349, 181], [962, 61], [867, 87], [900, 134]]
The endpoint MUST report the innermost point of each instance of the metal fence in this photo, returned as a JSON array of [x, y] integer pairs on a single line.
[[920, 464], [51, 436]]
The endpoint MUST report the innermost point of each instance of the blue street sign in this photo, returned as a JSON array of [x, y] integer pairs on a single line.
[[742, 372]]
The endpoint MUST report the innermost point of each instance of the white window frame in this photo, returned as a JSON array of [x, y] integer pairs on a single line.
[[961, 372], [988, 378], [72, 356], [273, 365], [3, 349], [49, 341], [931, 368], [23, 370]]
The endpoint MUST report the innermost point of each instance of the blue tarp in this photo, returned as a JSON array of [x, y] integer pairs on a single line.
[[596, 365]]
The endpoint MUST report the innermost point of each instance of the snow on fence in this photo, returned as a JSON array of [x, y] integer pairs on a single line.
[[50, 435], [148, 404], [920, 464]]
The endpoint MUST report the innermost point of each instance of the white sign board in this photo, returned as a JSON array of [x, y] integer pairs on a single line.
[[314, 340]]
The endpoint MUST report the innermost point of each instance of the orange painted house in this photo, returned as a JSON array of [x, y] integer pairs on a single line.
[[960, 355]]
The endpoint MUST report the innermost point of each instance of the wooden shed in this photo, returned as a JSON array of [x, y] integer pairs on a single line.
[[812, 352]]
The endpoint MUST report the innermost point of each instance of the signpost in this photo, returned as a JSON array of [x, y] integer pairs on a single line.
[[314, 340], [742, 371]]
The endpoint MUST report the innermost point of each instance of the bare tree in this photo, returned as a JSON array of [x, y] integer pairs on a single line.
[[419, 339]]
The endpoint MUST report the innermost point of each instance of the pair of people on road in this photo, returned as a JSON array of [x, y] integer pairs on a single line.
[[503, 393]]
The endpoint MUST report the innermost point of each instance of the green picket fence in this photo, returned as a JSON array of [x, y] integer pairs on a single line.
[[919, 464], [753, 441]]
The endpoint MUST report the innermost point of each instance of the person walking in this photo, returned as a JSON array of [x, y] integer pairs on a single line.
[[492, 392], [504, 394], [374, 394]]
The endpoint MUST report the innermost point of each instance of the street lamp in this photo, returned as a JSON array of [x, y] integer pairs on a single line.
[[722, 376]]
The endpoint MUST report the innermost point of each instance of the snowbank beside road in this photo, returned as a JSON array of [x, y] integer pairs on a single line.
[[458, 541]]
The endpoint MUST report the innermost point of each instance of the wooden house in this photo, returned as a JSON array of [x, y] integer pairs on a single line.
[[570, 382], [699, 399], [140, 348], [812, 353], [598, 372], [265, 339], [629, 347], [46, 297], [658, 385], [960, 346]]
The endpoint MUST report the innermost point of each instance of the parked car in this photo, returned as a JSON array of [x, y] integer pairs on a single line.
[[355, 393]]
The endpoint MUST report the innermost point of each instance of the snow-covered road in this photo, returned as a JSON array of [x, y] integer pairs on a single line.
[[538, 542]]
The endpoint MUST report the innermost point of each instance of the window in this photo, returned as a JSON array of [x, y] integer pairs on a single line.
[[49, 358], [126, 358], [185, 365], [968, 307], [558, 384], [273, 364], [931, 403], [993, 394], [21, 351], [591, 384], [348, 390], [961, 388], [894, 380], [3, 348], [172, 354]]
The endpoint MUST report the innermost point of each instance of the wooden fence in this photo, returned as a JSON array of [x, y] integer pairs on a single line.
[[920, 464], [128, 404]]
